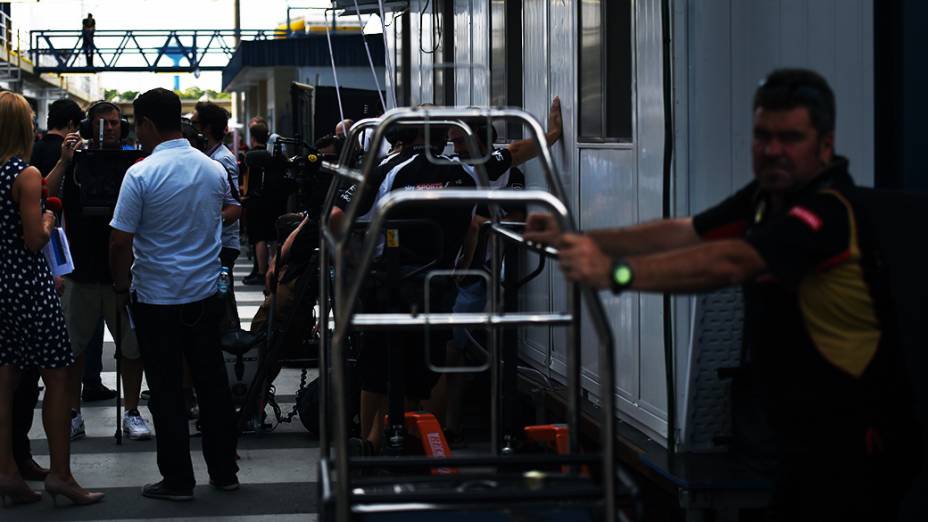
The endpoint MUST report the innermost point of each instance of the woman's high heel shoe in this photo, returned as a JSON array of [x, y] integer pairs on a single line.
[[18, 492], [72, 491]]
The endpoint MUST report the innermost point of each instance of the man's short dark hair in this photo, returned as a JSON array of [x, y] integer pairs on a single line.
[[259, 131], [213, 119], [102, 107], [786, 89], [161, 106], [62, 112]]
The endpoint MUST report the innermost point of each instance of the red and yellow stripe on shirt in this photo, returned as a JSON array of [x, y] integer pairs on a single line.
[[838, 309]]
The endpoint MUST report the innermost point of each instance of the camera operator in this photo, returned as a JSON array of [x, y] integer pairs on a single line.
[[295, 257], [266, 201], [169, 217], [213, 121], [88, 290], [65, 117]]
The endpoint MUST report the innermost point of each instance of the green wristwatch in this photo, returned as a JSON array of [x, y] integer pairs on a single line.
[[622, 276]]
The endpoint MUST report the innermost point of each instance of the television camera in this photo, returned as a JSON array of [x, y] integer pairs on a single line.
[[301, 171]]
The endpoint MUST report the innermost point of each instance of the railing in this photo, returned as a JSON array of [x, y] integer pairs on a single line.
[[8, 70], [139, 50]]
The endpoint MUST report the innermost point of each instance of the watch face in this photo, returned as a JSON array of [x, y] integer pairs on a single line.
[[622, 275]]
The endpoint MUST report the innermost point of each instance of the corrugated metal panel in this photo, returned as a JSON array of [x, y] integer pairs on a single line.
[[480, 54], [652, 392], [535, 96], [609, 190], [464, 52], [561, 80]]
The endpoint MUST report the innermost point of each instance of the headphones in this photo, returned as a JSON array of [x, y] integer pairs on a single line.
[[86, 128], [196, 137]]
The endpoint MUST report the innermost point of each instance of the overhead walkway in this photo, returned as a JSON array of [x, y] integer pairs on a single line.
[[139, 50]]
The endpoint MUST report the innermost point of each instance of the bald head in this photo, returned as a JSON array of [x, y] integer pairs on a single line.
[[343, 127]]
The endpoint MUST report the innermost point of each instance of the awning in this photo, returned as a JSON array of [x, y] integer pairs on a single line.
[[311, 50]]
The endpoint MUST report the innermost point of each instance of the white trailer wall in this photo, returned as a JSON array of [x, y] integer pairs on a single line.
[[722, 48]]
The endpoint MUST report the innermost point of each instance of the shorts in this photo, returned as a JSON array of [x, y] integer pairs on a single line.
[[373, 358], [471, 299], [260, 217], [418, 379], [84, 304]]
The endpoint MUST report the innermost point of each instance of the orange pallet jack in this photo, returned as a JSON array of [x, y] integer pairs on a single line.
[[554, 437], [425, 427]]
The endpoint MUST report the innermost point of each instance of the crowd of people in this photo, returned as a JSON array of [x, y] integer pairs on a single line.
[[790, 238], [165, 322]]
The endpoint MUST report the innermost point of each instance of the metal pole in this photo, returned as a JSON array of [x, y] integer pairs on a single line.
[[288, 21], [573, 372], [237, 20], [495, 355], [323, 348]]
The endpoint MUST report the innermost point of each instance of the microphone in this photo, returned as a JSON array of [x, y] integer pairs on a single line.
[[53, 204]]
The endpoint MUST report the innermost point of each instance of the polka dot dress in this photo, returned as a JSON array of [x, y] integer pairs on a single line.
[[33, 333]]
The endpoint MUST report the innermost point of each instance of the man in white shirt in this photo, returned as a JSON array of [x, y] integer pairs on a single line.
[[212, 120], [168, 216]]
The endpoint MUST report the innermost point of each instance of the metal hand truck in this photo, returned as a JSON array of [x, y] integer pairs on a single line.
[[343, 497]]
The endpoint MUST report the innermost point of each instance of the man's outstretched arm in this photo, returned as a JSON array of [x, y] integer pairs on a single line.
[[646, 238], [704, 267], [524, 150]]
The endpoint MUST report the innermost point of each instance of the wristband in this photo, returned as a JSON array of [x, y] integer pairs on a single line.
[[621, 276]]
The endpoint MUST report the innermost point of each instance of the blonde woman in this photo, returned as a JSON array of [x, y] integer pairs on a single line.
[[32, 328]]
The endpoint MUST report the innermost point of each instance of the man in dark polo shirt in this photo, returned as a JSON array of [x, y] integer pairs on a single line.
[[64, 117], [818, 339]]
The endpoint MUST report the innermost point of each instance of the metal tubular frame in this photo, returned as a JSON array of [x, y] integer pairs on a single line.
[[346, 296], [193, 44]]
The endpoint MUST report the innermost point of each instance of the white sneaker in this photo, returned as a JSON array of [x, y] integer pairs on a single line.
[[135, 426], [77, 427]]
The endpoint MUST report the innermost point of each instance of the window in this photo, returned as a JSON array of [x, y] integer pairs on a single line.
[[506, 61], [605, 70], [443, 35]]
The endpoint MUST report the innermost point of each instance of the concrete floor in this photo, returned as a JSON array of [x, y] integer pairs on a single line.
[[278, 469]]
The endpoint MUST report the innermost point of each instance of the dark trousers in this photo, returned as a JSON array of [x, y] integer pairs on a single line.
[[167, 334], [25, 397], [93, 358], [88, 47]]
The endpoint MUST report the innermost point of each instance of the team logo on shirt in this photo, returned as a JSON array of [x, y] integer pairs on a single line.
[[430, 186]]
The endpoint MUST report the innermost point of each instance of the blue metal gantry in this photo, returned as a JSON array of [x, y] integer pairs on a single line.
[[139, 50]]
